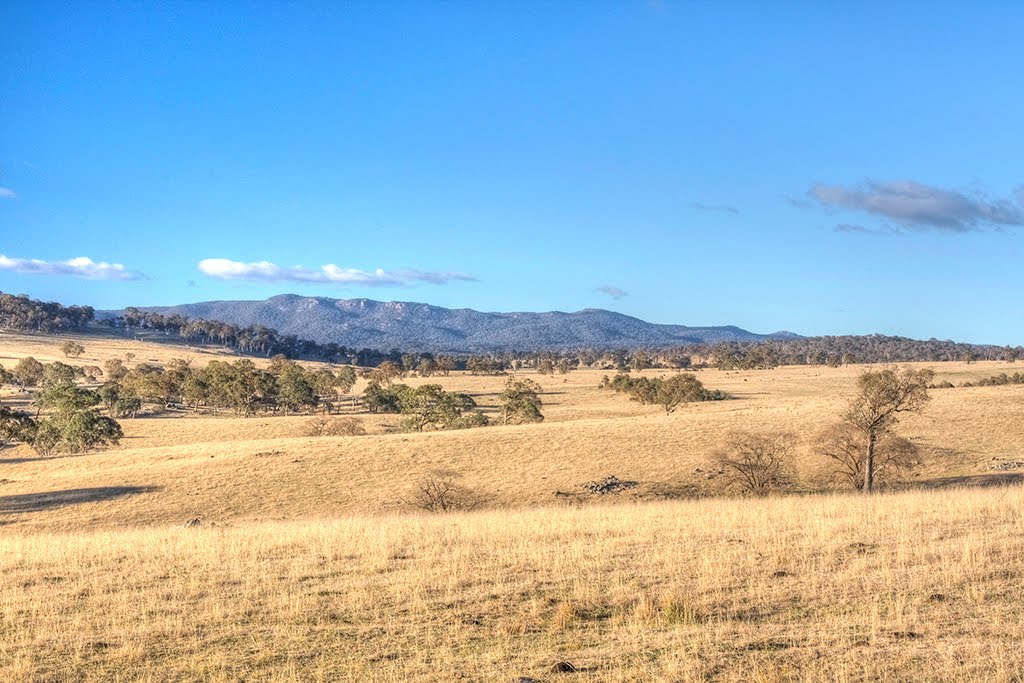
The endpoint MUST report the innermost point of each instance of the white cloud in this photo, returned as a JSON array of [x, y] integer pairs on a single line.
[[81, 266], [8, 193], [265, 271]]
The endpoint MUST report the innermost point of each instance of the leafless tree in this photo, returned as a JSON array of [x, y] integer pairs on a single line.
[[757, 463], [846, 446], [441, 491], [334, 426]]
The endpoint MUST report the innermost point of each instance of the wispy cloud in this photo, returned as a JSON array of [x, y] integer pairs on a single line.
[[265, 271], [919, 206], [8, 193], [613, 292], [854, 228], [798, 203], [81, 266], [720, 208]]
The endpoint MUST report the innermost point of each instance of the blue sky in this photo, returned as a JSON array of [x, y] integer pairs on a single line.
[[819, 167]]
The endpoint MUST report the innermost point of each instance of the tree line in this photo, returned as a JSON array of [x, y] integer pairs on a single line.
[[22, 314], [74, 398]]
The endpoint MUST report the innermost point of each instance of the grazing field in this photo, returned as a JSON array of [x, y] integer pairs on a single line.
[[302, 559], [923, 585]]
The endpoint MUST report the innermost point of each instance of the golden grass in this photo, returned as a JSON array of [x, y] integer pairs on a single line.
[[307, 566], [913, 586]]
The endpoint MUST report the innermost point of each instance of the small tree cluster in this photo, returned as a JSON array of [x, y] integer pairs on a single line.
[[668, 393], [427, 407], [997, 380], [67, 419], [241, 387]]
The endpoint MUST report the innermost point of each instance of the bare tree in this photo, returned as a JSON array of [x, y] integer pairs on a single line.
[[440, 491], [845, 445], [335, 426], [882, 396], [757, 463]]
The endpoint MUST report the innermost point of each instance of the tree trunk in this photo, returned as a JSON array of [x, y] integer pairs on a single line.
[[869, 464]]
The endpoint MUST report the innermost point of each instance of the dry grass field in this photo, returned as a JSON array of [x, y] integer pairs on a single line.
[[911, 586], [308, 566]]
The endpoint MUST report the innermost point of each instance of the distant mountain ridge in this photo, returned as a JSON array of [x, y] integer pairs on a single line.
[[363, 323]]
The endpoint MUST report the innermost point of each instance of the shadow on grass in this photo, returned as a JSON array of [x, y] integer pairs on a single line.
[[973, 481], [30, 458], [49, 500]]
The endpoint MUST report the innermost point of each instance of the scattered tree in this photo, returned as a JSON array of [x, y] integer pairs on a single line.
[[667, 393], [114, 369], [28, 372], [385, 373], [445, 364], [429, 407], [72, 349], [520, 402], [15, 426], [882, 396]]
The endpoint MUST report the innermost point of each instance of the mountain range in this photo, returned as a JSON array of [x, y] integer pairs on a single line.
[[363, 323]]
